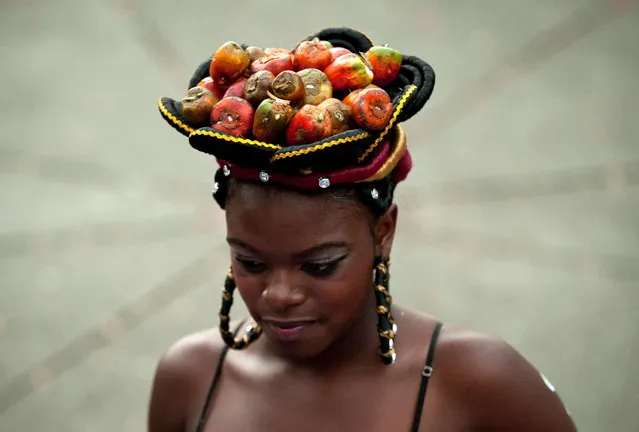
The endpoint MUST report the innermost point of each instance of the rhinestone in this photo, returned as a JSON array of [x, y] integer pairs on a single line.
[[394, 328], [393, 358], [391, 344], [264, 176], [324, 182], [226, 170], [374, 193], [216, 187]]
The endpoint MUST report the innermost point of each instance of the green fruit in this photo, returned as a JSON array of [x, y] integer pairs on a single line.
[[385, 63], [271, 118]]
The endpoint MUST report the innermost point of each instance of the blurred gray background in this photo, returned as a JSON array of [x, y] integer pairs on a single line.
[[520, 219]]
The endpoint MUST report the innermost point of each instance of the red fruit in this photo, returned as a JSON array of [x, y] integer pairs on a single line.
[[338, 52], [311, 123], [340, 115], [234, 116], [210, 85], [317, 86], [236, 89], [276, 63], [228, 63], [312, 55], [371, 108], [348, 100], [385, 63], [197, 105], [349, 72]]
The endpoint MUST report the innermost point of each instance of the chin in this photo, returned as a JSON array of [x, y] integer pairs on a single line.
[[298, 343]]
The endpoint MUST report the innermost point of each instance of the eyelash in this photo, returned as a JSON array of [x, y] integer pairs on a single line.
[[323, 269], [317, 269], [251, 266]]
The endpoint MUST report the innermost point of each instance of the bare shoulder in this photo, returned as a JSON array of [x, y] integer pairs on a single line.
[[181, 380], [499, 387]]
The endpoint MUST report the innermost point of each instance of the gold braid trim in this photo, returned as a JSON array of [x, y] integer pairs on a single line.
[[186, 128], [234, 139], [394, 158], [319, 147]]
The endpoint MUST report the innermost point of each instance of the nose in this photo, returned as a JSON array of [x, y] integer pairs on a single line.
[[281, 293]]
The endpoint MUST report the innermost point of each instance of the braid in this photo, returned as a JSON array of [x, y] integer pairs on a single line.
[[253, 332], [385, 324]]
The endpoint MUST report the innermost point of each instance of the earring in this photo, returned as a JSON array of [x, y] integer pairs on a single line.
[[252, 332], [386, 327]]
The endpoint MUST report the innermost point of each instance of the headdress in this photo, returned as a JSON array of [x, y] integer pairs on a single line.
[[312, 157]]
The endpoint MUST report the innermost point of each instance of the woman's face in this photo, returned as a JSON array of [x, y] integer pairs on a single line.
[[303, 264]]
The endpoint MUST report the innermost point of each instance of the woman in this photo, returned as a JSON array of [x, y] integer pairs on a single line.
[[324, 348]]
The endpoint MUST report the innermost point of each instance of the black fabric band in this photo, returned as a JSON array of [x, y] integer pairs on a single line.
[[216, 378], [426, 374]]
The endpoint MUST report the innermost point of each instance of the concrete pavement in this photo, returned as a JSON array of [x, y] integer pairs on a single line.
[[521, 217]]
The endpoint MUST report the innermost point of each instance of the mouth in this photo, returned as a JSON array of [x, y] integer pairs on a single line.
[[287, 331], [288, 324]]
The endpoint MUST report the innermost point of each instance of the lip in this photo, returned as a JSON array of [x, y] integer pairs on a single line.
[[287, 331]]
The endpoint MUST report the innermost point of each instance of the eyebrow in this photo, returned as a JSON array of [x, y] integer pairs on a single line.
[[298, 255]]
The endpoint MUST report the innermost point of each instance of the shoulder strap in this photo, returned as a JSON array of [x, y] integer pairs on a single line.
[[426, 373], [216, 378]]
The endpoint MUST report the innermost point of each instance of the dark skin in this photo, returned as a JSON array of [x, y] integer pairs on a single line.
[[298, 257]]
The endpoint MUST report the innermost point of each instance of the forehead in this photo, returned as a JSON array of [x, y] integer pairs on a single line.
[[282, 222]]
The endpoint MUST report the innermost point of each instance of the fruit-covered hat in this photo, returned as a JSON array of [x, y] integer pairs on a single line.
[[325, 113]]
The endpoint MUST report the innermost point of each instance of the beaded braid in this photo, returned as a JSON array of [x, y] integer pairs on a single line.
[[386, 326], [252, 333], [390, 314]]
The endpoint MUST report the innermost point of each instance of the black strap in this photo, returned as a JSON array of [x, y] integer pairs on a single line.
[[216, 378], [426, 374]]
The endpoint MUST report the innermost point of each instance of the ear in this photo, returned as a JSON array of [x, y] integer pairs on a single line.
[[385, 232]]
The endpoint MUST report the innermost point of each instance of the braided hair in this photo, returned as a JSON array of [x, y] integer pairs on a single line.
[[357, 164]]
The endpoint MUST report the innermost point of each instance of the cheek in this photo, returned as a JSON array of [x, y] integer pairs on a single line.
[[248, 287], [344, 298]]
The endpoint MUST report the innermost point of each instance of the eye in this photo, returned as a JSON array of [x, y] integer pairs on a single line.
[[251, 266], [323, 268]]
